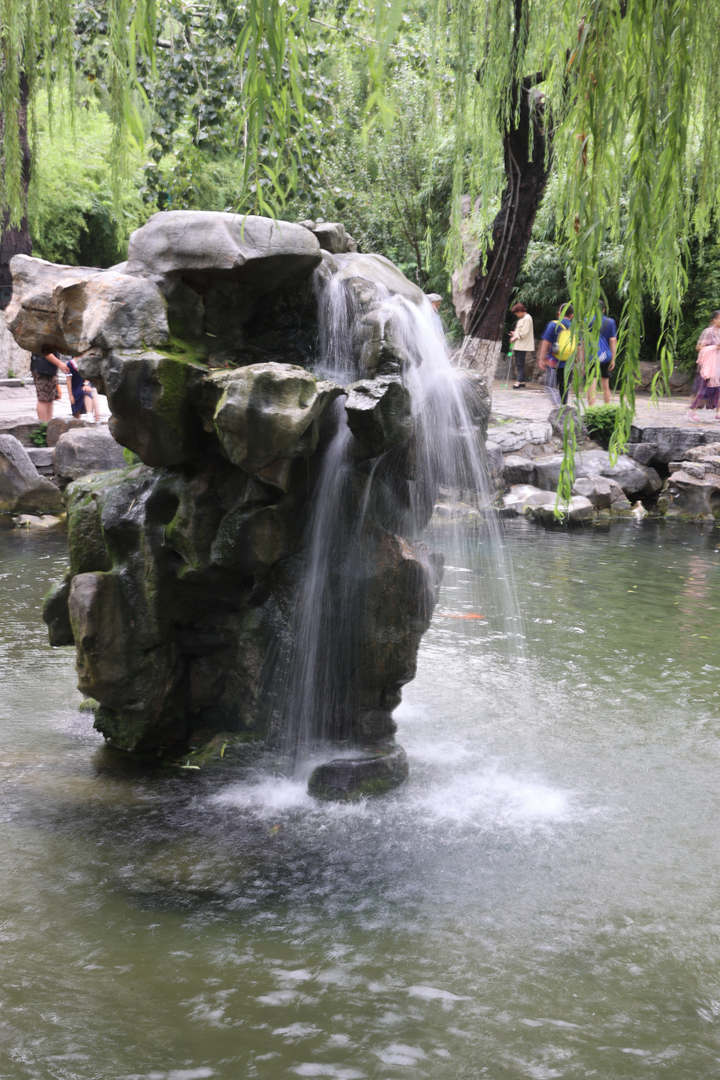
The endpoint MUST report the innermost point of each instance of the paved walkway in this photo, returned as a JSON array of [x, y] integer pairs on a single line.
[[20, 403], [533, 403]]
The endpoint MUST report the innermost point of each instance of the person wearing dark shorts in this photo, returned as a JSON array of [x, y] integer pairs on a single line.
[[44, 367], [607, 348], [547, 357]]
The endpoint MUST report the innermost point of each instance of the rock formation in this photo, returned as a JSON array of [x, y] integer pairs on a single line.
[[189, 569]]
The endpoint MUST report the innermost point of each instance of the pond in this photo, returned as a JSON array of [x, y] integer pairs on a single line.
[[540, 900]]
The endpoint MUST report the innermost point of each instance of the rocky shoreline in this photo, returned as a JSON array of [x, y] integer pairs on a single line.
[[673, 472]]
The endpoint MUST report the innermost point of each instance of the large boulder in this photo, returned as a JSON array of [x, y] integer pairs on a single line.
[[518, 470], [264, 412], [22, 489], [603, 493], [671, 443], [86, 450], [331, 237], [155, 400], [566, 417], [74, 308], [261, 253], [693, 488], [634, 479], [379, 414]]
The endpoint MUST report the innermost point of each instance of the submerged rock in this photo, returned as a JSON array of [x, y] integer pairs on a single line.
[[347, 779]]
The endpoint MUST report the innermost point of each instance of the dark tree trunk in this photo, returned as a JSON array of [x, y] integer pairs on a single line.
[[527, 178], [15, 239]]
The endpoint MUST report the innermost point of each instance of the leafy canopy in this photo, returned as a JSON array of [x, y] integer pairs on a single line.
[[628, 87]]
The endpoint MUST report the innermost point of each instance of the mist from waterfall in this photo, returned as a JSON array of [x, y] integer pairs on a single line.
[[310, 680]]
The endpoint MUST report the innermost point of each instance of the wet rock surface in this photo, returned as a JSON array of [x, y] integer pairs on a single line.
[[22, 489], [349, 779], [189, 569]]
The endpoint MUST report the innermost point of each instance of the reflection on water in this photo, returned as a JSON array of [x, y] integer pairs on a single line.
[[539, 901]]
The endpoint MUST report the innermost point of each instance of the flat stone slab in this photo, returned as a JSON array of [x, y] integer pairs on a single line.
[[347, 779], [673, 443], [40, 456], [512, 437]]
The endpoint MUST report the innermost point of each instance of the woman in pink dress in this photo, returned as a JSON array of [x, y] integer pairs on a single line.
[[707, 384]]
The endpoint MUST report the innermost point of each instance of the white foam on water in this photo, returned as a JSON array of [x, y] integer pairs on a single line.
[[337, 1071], [271, 796], [489, 798]]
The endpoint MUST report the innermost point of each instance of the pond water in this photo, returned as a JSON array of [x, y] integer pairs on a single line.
[[540, 900]]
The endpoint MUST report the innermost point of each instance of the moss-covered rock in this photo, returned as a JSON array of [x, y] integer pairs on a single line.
[[352, 778]]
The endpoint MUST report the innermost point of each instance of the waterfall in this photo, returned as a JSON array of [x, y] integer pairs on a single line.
[[315, 677]]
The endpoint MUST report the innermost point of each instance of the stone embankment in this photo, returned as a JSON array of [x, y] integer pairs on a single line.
[[33, 478], [673, 471]]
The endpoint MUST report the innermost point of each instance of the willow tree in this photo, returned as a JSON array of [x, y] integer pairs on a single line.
[[37, 51], [619, 100]]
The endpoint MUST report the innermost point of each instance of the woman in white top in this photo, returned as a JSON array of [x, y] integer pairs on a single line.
[[523, 339]]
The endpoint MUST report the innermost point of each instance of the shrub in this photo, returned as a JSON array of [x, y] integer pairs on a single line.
[[600, 420], [39, 435]]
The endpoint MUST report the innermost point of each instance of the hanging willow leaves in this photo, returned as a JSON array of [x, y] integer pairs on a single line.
[[628, 91]]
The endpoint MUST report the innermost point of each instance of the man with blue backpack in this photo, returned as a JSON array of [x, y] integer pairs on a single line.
[[607, 347], [557, 346]]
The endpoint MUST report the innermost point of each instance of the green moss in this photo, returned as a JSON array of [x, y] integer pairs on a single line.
[[181, 349], [225, 746]]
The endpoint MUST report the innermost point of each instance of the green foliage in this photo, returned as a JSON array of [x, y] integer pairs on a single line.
[[702, 299], [39, 435], [601, 420], [74, 219]]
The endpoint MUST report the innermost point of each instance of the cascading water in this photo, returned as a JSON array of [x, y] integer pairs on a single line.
[[316, 683]]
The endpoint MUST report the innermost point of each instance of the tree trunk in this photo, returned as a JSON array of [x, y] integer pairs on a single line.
[[15, 239], [527, 179]]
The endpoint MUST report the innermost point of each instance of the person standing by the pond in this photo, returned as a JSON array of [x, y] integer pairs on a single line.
[[707, 383], [607, 347], [44, 367], [555, 343], [523, 341]]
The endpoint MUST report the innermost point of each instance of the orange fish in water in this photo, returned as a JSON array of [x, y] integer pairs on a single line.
[[458, 615]]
